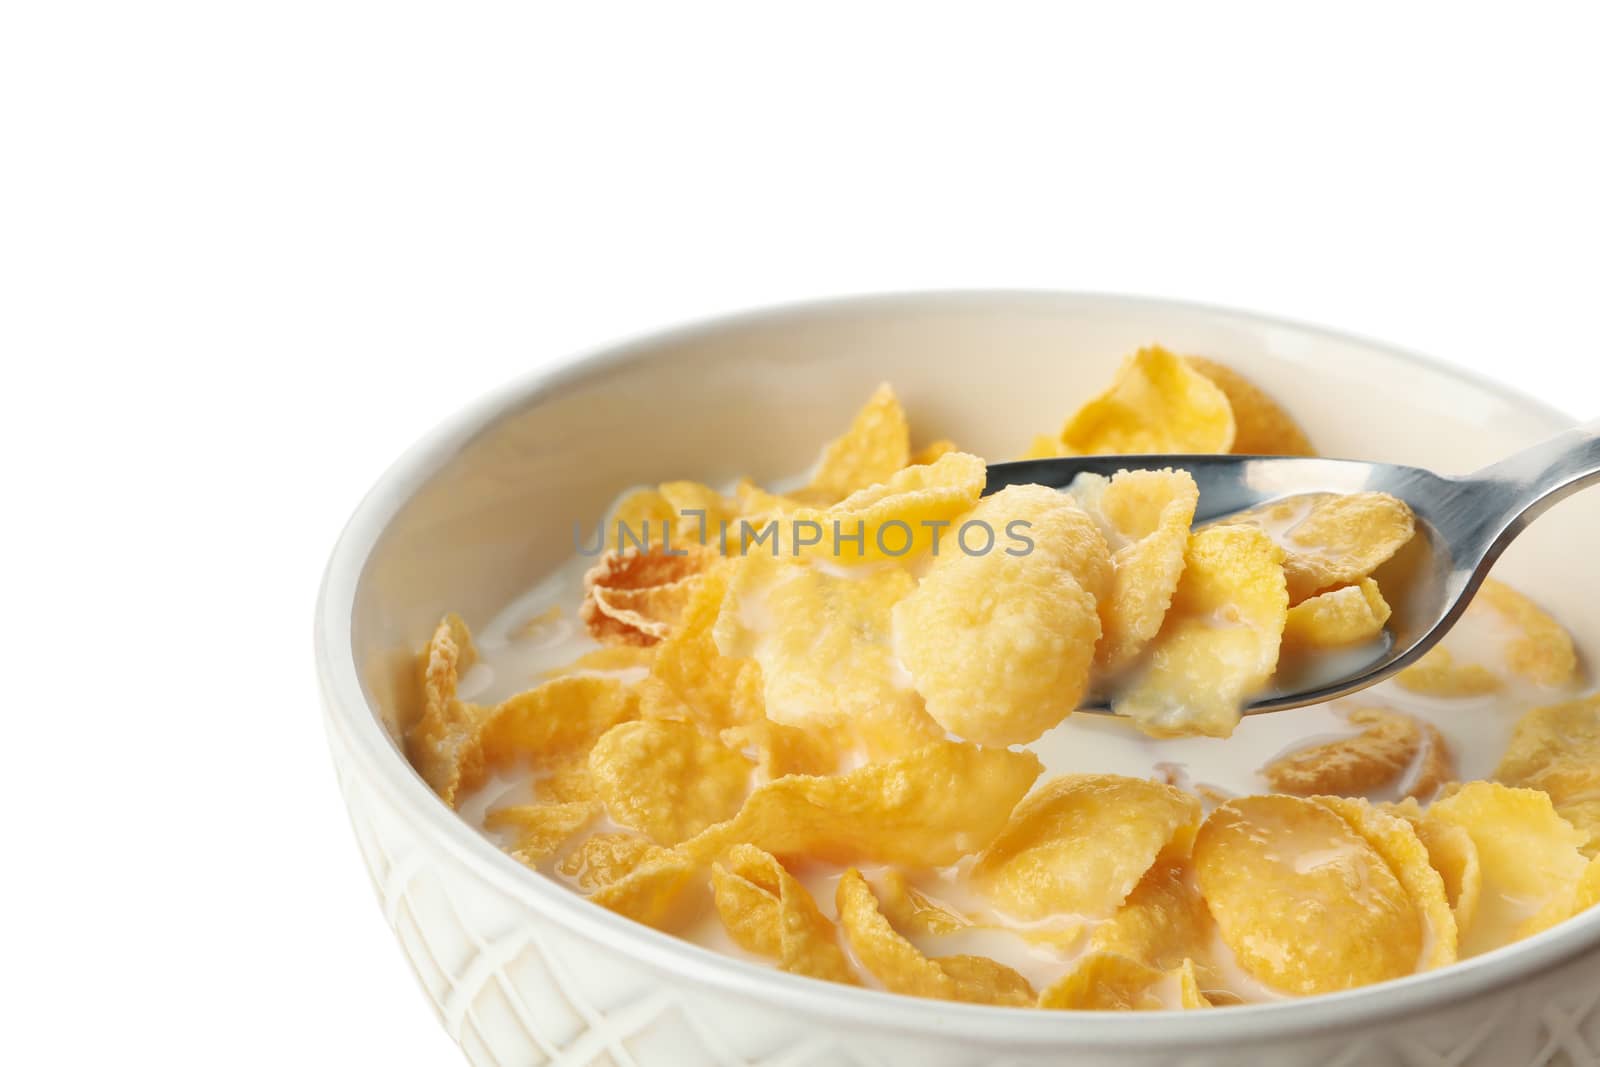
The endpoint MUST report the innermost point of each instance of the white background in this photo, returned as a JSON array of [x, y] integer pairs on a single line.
[[248, 251]]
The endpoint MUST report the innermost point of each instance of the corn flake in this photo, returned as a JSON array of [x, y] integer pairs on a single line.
[[1437, 674], [1557, 749], [1145, 516], [700, 515], [1081, 843], [1157, 404], [540, 829], [656, 891], [824, 645], [545, 726], [1332, 539], [666, 779], [1528, 855], [901, 966], [1261, 426], [1163, 923], [635, 598], [441, 739], [1540, 649], [1044, 446], [768, 912], [690, 679], [1219, 643], [901, 518], [753, 502], [1000, 645], [877, 444], [779, 750], [633, 877], [566, 781], [908, 908], [1105, 981], [1452, 853], [931, 451], [981, 980], [926, 809], [611, 659], [1302, 899], [1397, 841], [1389, 744], [640, 519], [1348, 615], [603, 859]]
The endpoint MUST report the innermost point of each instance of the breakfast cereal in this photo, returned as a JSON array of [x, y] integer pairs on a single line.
[[836, 725]]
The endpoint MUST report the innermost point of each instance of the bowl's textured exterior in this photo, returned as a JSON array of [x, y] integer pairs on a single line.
[[522, 972]]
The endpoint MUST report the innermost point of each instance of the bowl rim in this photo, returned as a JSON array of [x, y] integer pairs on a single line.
[[349, 714]]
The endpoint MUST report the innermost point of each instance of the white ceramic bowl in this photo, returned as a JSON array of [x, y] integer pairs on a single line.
[[522, 971]]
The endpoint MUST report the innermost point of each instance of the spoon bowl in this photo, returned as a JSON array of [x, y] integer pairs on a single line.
[[1463, 524]]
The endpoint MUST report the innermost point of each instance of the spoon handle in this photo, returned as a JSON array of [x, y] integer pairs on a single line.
[[1518, 489]]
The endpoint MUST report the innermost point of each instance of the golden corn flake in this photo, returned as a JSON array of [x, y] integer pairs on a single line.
[[633, 877], [540, 829], [779, 750], [751, 502], [658, 891], [900, 519], [611, 659], [1163, 922], [1000, 645], [930, 452], [690, 679], [1435, 769], [565, 781], [1304, 902], [1539, 649], [1528, 855], [877, 444], [902, 968], [635, 598], [766, 911], [547, 725], [925, 809], [1261, 426], [700, 515], [823, 641], [442, 736], [890, 958], [1397, 841], [1190, 995], [1557, 749], [1453, 854], [666, 779], [1145, 516], [1081, 843], [1105, 981], [1532, 646], [1219, 643], [1348, 615], [1157, 403], [1438, 674], [1584, 895], [1332, 539], [602, 859], [908, 908], [1390, 744], [981, 980], [1044, 446], [640, 520]]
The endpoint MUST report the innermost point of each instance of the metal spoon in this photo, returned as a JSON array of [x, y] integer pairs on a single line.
[[1463, 524]]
